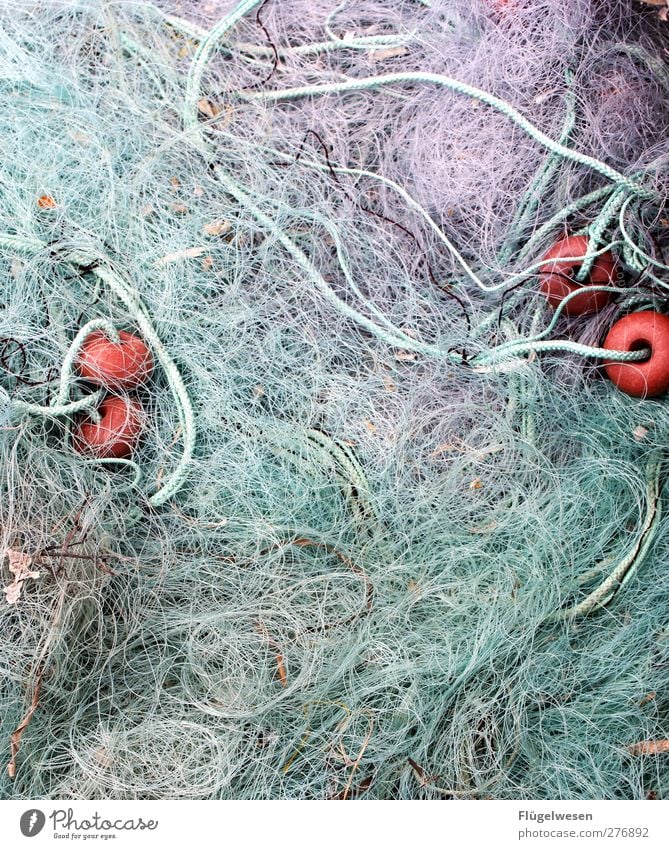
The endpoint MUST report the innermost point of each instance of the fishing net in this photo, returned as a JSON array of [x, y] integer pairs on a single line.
[[389, 531]]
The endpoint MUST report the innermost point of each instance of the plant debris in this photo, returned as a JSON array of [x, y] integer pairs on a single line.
[[20, 566]]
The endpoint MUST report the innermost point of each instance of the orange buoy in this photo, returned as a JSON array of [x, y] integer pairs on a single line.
[[116, 365], [557, 277], [116, 434], [646, 378]]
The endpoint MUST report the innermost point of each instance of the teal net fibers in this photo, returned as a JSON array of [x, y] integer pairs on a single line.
[[389, 533]]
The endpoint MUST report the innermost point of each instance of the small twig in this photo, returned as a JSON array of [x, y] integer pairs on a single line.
[[281, 666], [281, 670], [304, 542], [445, 288], [272, 46], [427, 782], [355, 792], [356, 763], [15, 739], [649, 747]]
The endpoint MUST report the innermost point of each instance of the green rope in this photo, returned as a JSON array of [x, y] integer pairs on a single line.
[[201, 58], [67, 367], [571, 209], [54, 411], [79, 255], [395, 338], [532, 197], [626, 568], [401, 191], [637, 252], [536, 266], [596, 232], [497, 103], [174, 481], [516, 349], [123, 462], [654, 65], [365, 42]]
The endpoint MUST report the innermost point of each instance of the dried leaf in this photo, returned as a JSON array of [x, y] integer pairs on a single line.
[[354, 792], [388, 53], [371, 427], [483, 529], [82, 138], [216, 228], [649, 747], [179, 208], [19, 562], [101, 755], [207, 108], [440, 449], [13, 593], [186, 253], [390, 385], [207, 263], [19, 566], [639, 432], [409, 331], [663, 12], [477, 483], [46, 202]]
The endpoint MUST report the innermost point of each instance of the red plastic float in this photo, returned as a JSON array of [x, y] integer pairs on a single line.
[[120, 365], [117, 432], [557, 278], [646, 378]]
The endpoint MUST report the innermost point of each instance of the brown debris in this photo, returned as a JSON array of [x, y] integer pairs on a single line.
[[20, 566], [649, 747], [46, 202], [15, 739], [216, 228], [207, 108]]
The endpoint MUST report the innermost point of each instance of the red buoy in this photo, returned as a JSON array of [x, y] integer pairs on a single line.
[[647, 329], [121, 365], [117, 432], [557, 277]]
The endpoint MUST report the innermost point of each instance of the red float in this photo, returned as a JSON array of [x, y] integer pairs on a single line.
[[121, 365], [647, 329], [557, 278], [117, 432]]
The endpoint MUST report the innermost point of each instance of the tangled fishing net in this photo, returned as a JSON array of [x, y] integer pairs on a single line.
[[389, 531]]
